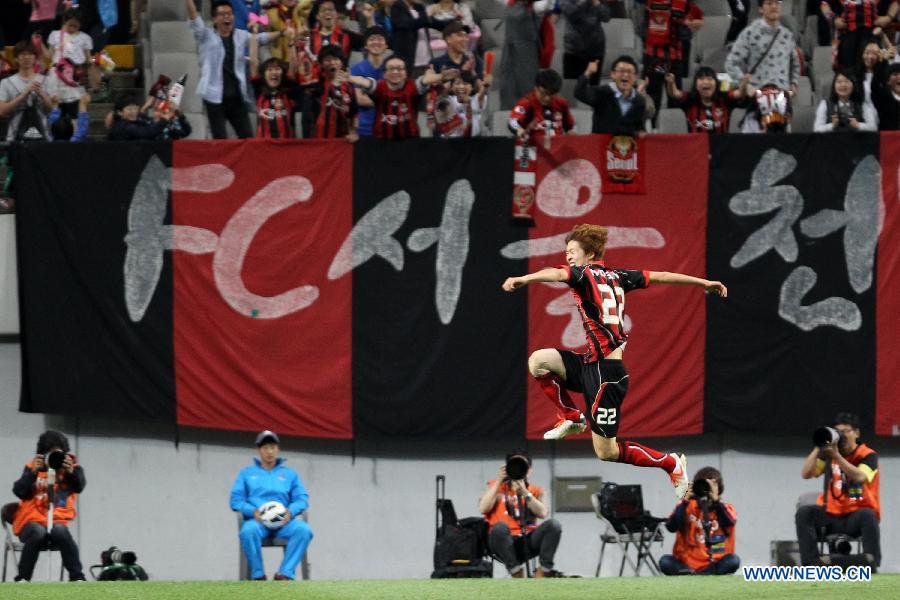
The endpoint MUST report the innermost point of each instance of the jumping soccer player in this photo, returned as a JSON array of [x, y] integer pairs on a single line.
[[599, 293]]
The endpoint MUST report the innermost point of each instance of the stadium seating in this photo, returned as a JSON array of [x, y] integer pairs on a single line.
[[671, 120]]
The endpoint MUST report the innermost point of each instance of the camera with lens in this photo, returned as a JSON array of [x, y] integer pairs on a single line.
[[516, 467], [54, 460], [701, 489], [825, 436], [844, 113]]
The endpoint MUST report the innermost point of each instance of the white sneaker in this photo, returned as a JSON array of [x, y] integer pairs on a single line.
[[565, 428], [679, 476]]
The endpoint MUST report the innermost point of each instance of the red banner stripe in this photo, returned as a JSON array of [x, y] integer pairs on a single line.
[[887, 299], [262, 337]]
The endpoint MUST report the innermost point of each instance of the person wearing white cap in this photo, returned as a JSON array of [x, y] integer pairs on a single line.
[[262, 482]]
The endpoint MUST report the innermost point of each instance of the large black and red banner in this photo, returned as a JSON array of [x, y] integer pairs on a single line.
[[325, 289]]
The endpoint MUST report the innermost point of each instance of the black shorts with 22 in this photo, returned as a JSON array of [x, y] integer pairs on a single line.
[[604, 384]]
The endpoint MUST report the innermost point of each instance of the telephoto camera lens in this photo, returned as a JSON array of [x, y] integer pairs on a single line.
[[55, 459], [701, 489], [824, 436], [516, 468]]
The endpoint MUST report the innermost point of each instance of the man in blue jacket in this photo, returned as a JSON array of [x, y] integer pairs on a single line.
[[265, 480]]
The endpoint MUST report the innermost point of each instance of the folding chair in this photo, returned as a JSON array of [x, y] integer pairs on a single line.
[[244, 567], [621, 508], [11, 545]]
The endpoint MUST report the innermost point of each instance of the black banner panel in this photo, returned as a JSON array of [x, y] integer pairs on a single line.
[[95, 340], [792, 230], [438, 347]]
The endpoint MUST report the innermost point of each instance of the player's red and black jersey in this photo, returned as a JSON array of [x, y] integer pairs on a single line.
[[600, 298], [274, 109], [709, 119], [530, 114], [329, 110], [860, 14], [395, 111]]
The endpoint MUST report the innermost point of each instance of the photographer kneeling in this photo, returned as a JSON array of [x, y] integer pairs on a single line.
[[850, 502], [47, 490], [512, 507], [704, 526]]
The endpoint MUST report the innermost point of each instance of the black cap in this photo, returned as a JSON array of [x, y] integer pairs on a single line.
[[894, 68], [374, 30], [455, 27], [265, 437]]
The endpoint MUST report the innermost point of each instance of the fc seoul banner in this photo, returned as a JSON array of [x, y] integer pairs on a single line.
[[339, 290]]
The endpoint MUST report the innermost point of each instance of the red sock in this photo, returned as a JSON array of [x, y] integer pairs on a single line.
[[555, 388], [642, 456]]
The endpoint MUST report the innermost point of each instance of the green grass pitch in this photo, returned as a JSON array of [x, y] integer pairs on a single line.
[[624, 588]]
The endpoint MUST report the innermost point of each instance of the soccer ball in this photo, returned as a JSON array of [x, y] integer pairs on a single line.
[[273, 514]]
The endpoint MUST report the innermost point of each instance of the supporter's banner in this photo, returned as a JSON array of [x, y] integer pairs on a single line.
[[793, 228], [887, 404], [438, 346], [332, 290]]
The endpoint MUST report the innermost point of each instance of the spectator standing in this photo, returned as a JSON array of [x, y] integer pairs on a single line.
[[542, 113], [585, 40], [887, 100], [767, 51], [396, 98], [223, 68], [668, 28], [855, 23], [372, 67], [845, 109], [327, 31], [23, 97], [329, 107], [130, 123], [242, 10], [43, 17], [277, 94], [520, 59], [871, 68], [707, 108], [407, 19], [619, 107], [71, 49], [287, 16]]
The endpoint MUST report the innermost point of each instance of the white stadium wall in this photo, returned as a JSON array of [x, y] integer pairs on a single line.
[[372, 506]]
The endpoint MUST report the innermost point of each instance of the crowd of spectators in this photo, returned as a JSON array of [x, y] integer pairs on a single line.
[[270, 55]]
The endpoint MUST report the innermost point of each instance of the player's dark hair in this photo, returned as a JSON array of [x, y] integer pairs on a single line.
[[711, 473], [591, 238], [549, 80], [52, 439]]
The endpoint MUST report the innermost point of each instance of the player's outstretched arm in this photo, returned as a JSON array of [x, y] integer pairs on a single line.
[[548, 275], [713, 287]]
